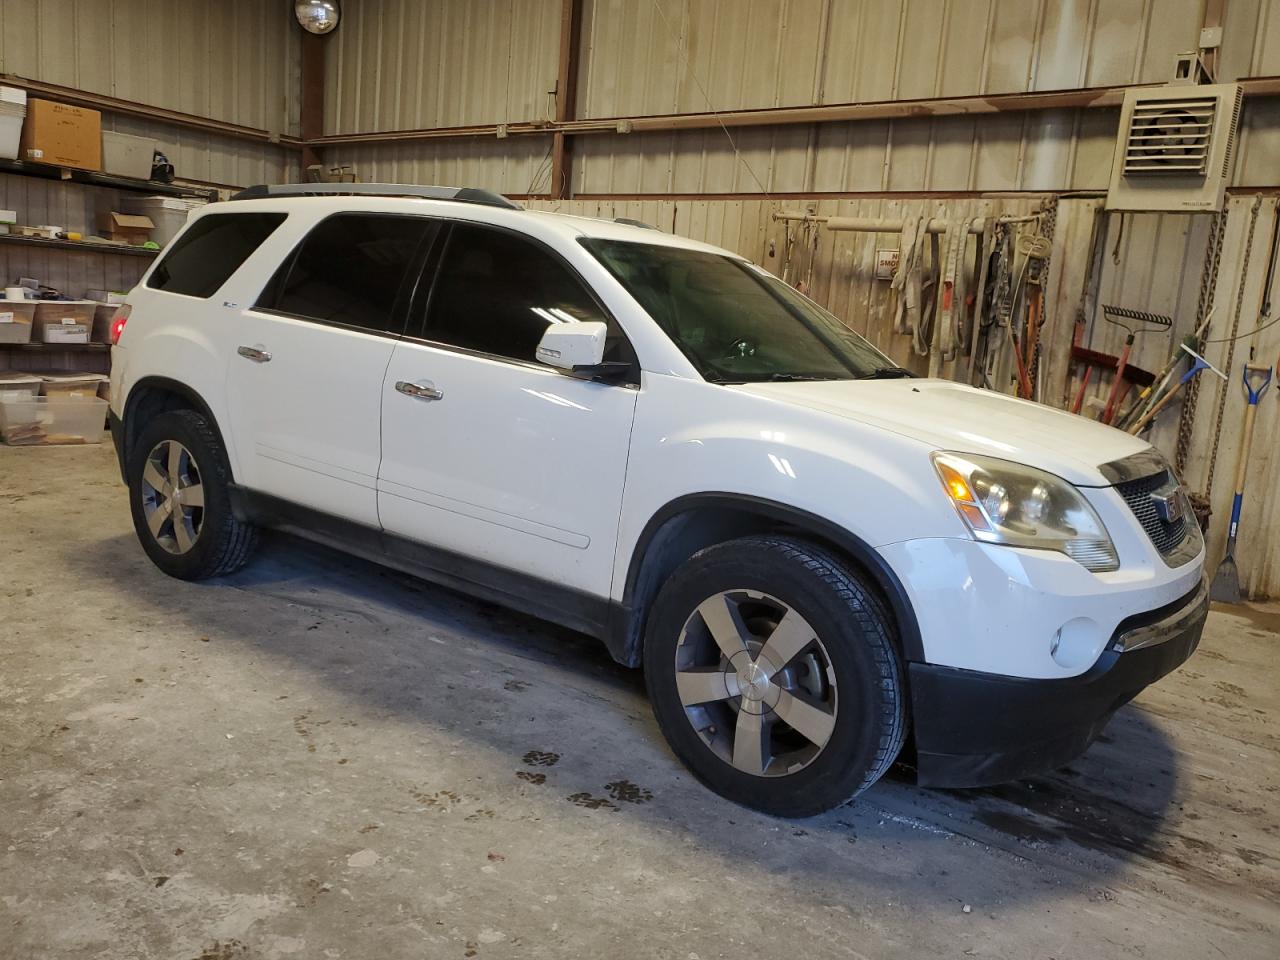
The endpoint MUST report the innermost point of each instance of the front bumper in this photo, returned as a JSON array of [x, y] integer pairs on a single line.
[[976, 729]]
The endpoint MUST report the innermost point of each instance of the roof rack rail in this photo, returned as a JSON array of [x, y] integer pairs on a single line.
[[264, 191], [634, 223]]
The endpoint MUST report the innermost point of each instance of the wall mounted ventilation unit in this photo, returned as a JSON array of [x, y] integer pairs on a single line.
[[1174, 148]]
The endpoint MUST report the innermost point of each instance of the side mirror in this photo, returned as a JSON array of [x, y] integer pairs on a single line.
[[572, 345]]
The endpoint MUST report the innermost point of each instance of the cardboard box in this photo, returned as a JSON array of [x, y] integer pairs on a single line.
[[106, 296], [16, 320], [74, 315], [62, 135], [129, 227], [103, 314], [127, 156], [169, 214]]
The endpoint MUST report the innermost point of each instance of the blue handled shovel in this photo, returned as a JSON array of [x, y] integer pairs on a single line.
[[1226, 582]]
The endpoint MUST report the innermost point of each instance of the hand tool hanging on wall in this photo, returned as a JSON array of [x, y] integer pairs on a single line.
[[1226, 582], [1150, 395], [1140, 316], [1198, 363]]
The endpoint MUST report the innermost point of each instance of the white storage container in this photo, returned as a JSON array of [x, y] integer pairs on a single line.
[[17, 385], [169, 214], [13, 111], [127, 156], [52, 420]]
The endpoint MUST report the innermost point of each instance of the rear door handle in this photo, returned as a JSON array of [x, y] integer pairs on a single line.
[[256, 354], [422, 390]]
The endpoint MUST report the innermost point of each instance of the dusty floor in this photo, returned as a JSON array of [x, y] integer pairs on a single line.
[[319, 758]]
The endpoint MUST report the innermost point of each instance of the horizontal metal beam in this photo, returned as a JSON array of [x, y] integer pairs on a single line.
[[129, 108], [1093, 97]]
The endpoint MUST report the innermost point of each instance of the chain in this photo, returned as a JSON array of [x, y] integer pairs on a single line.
[[1231, 346], [1208, 284], [1048, 224]]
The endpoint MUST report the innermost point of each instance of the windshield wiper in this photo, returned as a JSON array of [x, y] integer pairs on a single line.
[[797, 377], [887, 373]]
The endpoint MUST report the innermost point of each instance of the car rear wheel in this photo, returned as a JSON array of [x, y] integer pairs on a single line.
[[772, 671], [178, 491]]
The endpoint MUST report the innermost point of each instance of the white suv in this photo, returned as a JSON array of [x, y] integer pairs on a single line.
[[822, 562]]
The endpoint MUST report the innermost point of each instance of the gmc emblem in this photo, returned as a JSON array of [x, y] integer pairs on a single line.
[[1168, 504]]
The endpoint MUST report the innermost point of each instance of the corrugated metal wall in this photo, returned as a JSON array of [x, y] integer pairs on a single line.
[[234, 60], [406, 64]]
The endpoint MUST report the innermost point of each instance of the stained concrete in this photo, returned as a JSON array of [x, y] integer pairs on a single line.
[[318, 758]]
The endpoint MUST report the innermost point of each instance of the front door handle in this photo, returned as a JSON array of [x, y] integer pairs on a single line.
[[423, 390], [256, 354]]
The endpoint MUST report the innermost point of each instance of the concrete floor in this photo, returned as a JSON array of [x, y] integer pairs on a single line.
[[320, 758]]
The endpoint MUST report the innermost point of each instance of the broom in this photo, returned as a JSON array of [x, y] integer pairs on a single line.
[[1226, 582]]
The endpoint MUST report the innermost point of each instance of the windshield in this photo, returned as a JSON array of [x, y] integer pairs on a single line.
[[735, 322]]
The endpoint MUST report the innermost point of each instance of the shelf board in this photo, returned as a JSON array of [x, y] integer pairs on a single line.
[[45, 172], [57, 347], [80, 246]]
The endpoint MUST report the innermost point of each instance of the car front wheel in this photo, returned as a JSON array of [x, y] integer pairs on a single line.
[[773, 674]]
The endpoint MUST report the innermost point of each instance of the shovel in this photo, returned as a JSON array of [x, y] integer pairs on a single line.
[[1226, 582]]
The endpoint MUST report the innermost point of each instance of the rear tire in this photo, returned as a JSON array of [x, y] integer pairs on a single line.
[[773, 674], [179, 480]]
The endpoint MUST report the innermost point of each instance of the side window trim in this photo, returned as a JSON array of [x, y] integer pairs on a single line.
[[436, 262], [400, 306]]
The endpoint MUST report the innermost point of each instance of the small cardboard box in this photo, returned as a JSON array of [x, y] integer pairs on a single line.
[[103, 314], [16, 318], [62, 135], [70, 317], [129, 227]]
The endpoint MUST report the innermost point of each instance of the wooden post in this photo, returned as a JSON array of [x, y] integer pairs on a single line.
[[566, 97]]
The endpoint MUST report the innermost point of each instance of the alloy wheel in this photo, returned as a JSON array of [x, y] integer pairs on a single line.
[[756, 683], [173, 496]]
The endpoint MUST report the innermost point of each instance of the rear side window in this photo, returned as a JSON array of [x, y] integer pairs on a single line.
[[349, 271], [206, 256], [496, 293]]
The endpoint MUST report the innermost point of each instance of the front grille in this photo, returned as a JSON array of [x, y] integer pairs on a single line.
[[1137, 494]]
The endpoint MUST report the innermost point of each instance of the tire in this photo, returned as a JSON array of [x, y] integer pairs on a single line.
[[211, 542], [850, 673]]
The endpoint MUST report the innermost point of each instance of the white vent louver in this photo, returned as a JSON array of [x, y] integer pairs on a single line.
[[1174, 148]]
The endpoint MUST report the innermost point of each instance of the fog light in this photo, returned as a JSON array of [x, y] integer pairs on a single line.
[[1076, 643]]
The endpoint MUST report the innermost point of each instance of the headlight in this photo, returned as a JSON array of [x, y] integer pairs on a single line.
[[1005, 502]]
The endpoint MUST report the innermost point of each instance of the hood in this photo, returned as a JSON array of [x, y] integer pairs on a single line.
[[951, 416]]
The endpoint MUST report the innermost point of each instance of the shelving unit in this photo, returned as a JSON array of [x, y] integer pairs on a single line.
[[45, 172], [79, 246]]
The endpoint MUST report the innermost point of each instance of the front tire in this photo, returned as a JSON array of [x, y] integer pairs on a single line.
[[179, 480], [772, 671]]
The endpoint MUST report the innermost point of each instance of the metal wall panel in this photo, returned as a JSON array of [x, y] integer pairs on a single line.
[[693, 55], [236, 61], [406, 64]]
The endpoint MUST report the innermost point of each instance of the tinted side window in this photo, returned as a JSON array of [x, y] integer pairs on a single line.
[[349, 270], [205, 256], [496, 292]]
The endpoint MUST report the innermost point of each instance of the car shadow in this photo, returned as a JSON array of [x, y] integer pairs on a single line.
[[367, 630]]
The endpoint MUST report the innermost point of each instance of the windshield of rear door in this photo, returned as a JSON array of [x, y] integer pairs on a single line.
[[735, 322]]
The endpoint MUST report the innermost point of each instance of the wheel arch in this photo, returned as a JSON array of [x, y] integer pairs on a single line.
[[154, 395], [693, 522]]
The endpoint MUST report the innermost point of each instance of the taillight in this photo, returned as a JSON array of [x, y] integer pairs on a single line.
[[118, 321]]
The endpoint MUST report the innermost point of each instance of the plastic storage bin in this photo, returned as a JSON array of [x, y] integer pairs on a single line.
[[55, 383], [169, 214], [63, 321], [13, 111], [18, 385], [16, 318], [127, 156], [52, 420]]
